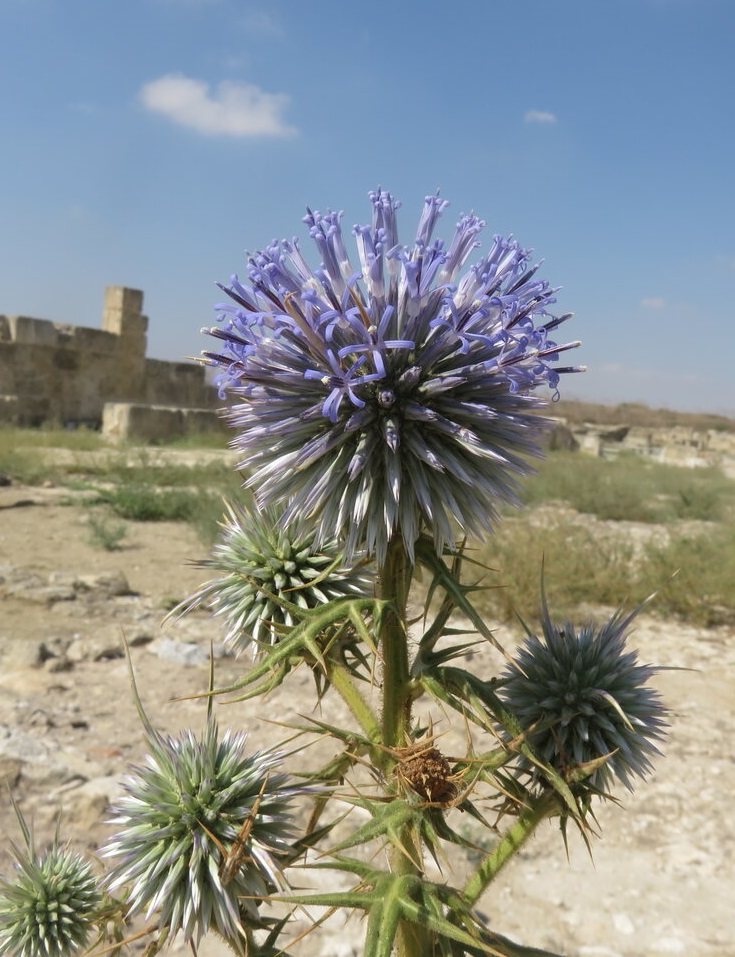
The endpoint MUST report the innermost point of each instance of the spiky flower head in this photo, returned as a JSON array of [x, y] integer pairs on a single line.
[[581, 696], [199, 831], [258, 557], [49, 908], [397, 396]]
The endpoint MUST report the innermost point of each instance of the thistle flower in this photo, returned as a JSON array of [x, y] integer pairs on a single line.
[[49, 908], [383, 400], [258, 556], [198, 831], [581, 696]]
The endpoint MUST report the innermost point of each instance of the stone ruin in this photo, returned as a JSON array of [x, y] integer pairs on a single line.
[[676, 445], [58, 374]]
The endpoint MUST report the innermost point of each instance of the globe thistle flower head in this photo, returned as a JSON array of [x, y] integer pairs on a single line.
[[583, 697], [199, 831], [394, 396], [49, 908], [260, 562]]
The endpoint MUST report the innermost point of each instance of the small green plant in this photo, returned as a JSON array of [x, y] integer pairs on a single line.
[[104, 532], [142, 503]]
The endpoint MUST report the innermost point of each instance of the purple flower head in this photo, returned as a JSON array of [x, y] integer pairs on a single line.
[[394, 398]]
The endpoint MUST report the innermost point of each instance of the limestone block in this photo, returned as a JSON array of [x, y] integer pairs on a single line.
[[37, 332], [124, 300], [143, 423], [153, 423], [638, 439], [123, 313], [87, 339]]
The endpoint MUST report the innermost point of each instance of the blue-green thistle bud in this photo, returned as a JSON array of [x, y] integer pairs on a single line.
[[265, 568], [581, 697], [49, 907], [199, 833]]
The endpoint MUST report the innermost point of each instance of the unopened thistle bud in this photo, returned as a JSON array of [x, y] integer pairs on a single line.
[[48, 908], [260, 563], [582, 696]]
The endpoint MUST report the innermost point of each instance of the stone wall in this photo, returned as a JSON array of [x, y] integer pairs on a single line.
[[62, 374]]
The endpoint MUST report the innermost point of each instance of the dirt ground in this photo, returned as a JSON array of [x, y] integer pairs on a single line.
[[663, 877]]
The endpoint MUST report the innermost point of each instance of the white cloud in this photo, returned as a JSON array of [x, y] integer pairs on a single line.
[[653, 302], [539, 116], [231, 109]]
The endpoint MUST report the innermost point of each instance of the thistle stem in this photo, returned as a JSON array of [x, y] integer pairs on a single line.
[[510, 844], [342, 681], [394, 581], [412, 938]]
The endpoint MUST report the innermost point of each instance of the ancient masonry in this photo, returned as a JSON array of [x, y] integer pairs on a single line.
[[52, 373]]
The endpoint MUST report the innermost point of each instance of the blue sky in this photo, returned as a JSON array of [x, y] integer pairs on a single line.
[[150, 143]]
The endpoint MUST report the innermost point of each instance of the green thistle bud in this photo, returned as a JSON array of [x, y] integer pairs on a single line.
[[49, 908], [581, 697], [198, 833], [259, 558]]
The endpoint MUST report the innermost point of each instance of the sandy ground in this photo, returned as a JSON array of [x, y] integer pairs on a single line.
[[663, 877]]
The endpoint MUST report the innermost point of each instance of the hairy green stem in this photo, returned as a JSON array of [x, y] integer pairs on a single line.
[[394, 581], [511, 843], [412, 938], [343, 683]]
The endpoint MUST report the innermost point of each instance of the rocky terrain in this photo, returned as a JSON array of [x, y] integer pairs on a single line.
[[663, 877]]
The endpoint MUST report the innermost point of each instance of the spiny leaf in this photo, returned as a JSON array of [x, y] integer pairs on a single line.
[[456, 596], [388, 820]]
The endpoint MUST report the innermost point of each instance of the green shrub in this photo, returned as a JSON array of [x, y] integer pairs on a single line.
[[142, 503], [105, 533], [201, 507], [631, 488]]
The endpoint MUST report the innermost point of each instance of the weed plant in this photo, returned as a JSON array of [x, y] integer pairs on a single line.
[[703, 591], [104, 532], [201, 440], [147, 503], [579, 568]]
